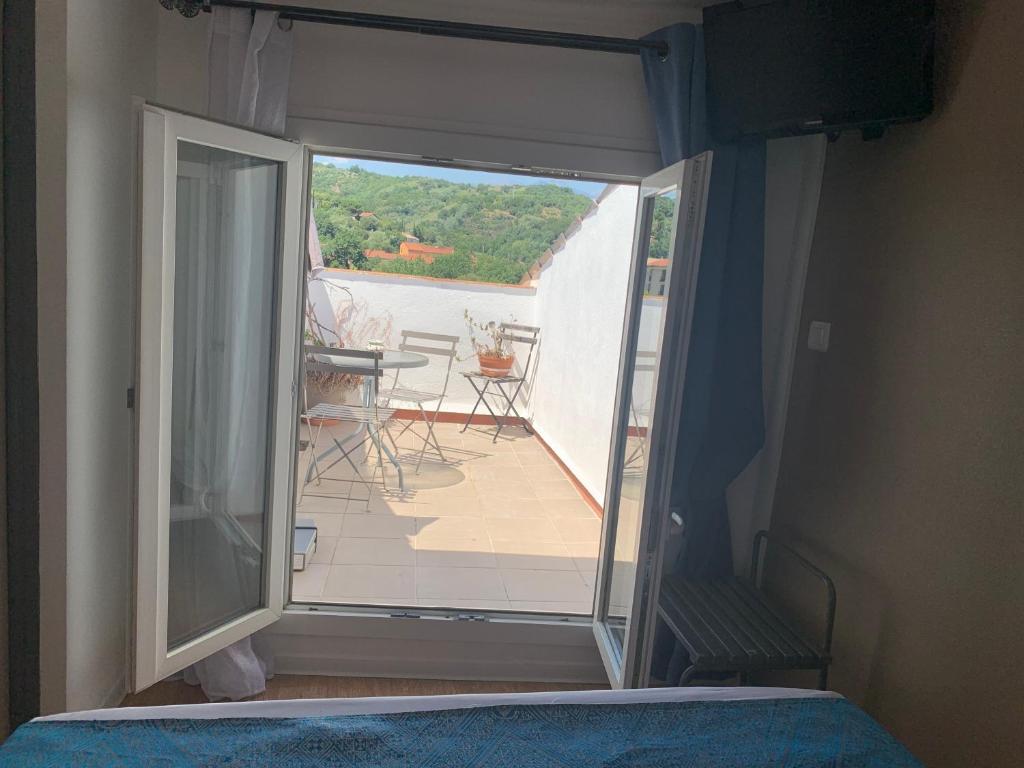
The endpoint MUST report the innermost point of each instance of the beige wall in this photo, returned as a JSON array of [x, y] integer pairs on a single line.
[[903, 471], [88, 67]]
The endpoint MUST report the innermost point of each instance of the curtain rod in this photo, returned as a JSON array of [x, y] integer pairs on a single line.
[[449, 28]]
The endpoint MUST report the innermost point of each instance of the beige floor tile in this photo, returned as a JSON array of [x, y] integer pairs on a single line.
[[403, 506], [587, 566], [549, 586], [439, 506], [463, 490], [370, 551], [328, 504], [309, 582], [360, 491], [378, 527], [358, 507], [455, 553], [507, 489], [506, 460], [484, 434], [539, 529], [387, 581], [491, 450], [491, 473], [583, 549], [325, 546], [464, 604], [328, 525], [584, 607], [537, 473], [451, 558], [539, 458], [458, 583], [567, 508], [536, 555], [554, 489], [448, 528], [502, 507], [578, 528]]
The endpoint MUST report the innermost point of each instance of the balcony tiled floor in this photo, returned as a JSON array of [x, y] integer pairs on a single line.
[[494, 526]]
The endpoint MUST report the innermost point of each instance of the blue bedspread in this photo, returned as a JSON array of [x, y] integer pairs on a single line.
[[746, 734]]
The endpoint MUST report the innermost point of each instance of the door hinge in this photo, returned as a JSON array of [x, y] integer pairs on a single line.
[[130, 399]]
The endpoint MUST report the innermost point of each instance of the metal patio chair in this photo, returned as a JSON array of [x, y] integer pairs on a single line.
[[433, 345], [370, 415], [508, 387], [639, 416]]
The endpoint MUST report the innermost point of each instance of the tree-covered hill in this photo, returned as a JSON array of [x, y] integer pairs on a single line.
[[497, 231]]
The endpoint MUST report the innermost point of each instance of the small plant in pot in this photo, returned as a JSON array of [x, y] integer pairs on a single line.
[[494, 353]]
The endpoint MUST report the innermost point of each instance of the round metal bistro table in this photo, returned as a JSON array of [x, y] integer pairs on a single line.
[[392, 359]]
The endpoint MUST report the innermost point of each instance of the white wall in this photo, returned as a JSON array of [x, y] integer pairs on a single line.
[[109, 59], [581, 301], [441, 97], [434, 306]]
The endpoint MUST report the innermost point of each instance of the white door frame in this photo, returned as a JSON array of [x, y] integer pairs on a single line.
[[690, 177], [160, 131]]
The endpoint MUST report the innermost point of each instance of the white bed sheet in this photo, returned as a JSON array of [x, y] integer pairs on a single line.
[[380, 705]]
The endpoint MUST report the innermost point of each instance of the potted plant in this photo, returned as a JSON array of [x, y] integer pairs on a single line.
[[494, 354]]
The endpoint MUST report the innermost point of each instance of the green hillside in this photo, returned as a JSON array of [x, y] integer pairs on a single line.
[[497, 231]]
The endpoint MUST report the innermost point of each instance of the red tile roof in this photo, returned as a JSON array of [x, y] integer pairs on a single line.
[[419, 250]]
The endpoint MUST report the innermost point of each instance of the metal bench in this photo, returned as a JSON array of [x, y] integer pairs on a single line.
[[728, 625]]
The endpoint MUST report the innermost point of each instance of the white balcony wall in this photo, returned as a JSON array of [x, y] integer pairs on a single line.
[[581, 300], [403, 302]]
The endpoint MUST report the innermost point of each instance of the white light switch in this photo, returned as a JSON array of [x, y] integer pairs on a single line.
[[817, 337]]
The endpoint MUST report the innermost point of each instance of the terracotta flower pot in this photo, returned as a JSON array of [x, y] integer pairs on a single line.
[[494, 366]]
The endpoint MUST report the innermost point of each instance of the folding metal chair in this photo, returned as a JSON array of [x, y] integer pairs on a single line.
[[513, 333], [640, 415], [371, 415], [431, 344]]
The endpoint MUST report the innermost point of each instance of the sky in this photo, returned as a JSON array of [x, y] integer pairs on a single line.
[[461, 176]]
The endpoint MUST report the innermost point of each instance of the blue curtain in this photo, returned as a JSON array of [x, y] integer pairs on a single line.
[[722, 424]]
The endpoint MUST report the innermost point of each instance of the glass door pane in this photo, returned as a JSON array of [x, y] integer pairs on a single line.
[[225, 270], [659, 217], [665, 258], [218, 331]]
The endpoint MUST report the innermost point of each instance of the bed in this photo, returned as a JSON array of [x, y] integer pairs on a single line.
[[655, 728]]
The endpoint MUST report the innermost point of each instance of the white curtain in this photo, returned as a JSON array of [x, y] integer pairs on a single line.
[[249, 69]]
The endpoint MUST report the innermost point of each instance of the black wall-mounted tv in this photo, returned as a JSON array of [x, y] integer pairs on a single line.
[[788, 67]]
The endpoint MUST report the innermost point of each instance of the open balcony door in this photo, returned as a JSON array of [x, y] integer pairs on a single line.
[[656, 335], [219, 297]]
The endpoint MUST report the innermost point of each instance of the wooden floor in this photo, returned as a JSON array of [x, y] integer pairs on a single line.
[[323, 687]]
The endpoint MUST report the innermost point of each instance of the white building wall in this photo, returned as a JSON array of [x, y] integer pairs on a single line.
[[581, 300]]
